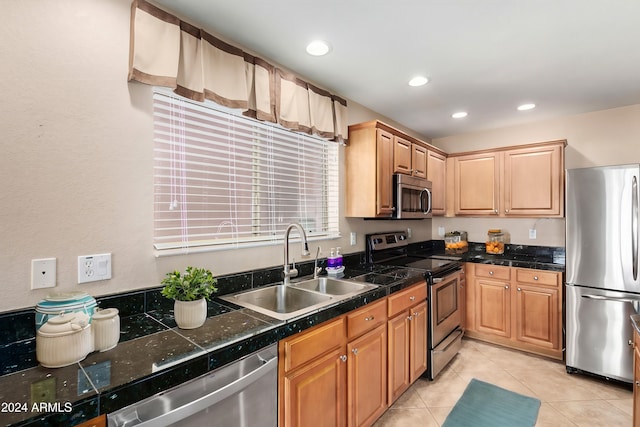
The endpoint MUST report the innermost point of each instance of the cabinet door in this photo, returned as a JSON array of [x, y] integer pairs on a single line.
[[384, 159], [99, 421], [477, 180], [537, 316], [398, 332], [315, 394], [367, 377], [437, 174], [493, 307], [419, 161], [418, 341], [402, 156], [533, 182]]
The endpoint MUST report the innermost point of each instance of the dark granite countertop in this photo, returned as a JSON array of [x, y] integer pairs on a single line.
[[154, 355], [536, 257]]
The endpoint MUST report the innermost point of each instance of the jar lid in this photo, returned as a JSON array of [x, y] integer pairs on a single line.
[[64, 324], [105, 313], [495, 231]]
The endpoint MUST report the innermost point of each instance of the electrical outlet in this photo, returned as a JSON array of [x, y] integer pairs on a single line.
[[441, 231], [532, 233], [43, 273], [408, 233], [353, 238], [93, 268]]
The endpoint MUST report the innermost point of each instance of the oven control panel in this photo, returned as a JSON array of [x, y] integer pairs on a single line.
[[382, 241]]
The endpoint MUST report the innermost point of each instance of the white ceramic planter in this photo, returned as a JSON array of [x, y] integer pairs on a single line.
[[190, 314]]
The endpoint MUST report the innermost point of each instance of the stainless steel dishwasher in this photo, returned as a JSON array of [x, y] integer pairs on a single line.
[[243, 393]]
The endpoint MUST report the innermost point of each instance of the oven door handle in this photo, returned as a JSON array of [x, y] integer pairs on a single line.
[[452, 338]]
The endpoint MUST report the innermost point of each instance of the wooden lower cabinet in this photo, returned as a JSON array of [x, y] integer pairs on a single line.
[[335, 374], [99, 421], [367, 377], [407, 331], [493, 312], [315, 394], [515, 307]]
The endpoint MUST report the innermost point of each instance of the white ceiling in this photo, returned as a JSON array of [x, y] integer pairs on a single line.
[[485, 57]]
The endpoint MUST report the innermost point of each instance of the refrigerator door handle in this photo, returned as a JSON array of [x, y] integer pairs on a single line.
[[603, 298], [634, 226]]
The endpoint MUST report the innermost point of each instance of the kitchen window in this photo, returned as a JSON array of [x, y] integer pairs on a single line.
[[222, 180]]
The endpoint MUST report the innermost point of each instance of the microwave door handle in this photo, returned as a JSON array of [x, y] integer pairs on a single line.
[[634, 226], [422, 193]]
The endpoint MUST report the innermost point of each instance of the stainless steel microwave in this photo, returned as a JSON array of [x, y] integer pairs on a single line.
[[411, 197]]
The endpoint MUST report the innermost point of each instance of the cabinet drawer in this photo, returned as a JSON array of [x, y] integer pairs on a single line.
[[538, 277], [493, 271], [310, 344], [404, 299], [366, 318]]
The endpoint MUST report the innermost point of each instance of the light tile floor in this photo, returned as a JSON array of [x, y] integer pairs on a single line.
[[567, 400]]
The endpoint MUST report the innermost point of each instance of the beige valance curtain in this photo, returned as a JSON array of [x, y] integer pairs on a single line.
[[166, 51]]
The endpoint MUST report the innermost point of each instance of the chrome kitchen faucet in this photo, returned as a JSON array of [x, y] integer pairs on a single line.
[[293, 272]]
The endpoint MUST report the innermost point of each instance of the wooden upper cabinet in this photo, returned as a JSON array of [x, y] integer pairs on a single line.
[[369, 172], [525, 181], [409, 158], [477, 178], [402, 156], [374, 153], [533, 181], [384, 175], [437, 173]]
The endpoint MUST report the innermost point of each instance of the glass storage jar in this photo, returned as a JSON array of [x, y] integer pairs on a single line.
[[495, 242], [455, 242]]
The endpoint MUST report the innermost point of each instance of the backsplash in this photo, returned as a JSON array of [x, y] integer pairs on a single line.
[[147, 306]]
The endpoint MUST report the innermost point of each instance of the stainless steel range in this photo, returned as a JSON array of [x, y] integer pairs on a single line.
[[443, 297]]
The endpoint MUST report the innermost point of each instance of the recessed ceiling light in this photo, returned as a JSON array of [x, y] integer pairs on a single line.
[[418, 81], [525, 107], [459, 115], [318, 48]]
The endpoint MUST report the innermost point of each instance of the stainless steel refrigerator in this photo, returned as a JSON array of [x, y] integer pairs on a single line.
[[602, 285]]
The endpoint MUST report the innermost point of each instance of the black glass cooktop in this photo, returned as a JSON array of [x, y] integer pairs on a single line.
[[431, 265], [375, 279]]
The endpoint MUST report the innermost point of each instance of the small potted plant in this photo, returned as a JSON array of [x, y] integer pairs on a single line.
[[191, 290]]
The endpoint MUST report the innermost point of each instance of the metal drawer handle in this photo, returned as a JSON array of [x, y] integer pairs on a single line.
[[409, 317], [369, 318], [491, 273], [535, 277], [354, 351], [412, 298], [343, 357], [506, 286], [519, 289]]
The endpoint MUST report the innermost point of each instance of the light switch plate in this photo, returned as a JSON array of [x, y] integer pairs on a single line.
[[532, 233], [43, 273], [93, 268], [353, 238]]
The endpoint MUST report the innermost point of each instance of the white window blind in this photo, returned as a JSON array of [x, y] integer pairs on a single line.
[[225, 180]]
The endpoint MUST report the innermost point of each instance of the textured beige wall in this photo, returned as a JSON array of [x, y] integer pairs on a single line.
[[594, 139]]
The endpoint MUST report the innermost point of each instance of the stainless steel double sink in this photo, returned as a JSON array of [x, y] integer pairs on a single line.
[[286, 302]]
